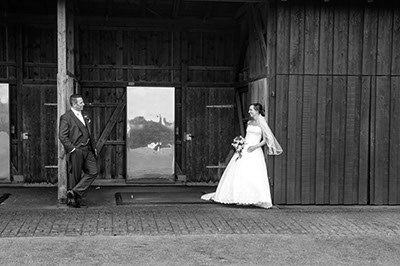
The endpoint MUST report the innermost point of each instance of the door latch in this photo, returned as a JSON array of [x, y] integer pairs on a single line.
[[187, 137]]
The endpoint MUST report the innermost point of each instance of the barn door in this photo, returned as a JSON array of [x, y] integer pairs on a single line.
[[39, 133], [211, 124]]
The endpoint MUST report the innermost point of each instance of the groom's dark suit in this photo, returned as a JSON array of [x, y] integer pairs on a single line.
[[81, 152]]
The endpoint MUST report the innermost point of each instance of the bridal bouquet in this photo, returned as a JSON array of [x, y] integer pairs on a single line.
[[238, 144]]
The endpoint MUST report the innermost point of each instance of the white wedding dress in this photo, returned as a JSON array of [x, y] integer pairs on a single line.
[[245, 179]]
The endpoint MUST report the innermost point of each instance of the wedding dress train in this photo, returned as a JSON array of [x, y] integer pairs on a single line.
[[245, 179]]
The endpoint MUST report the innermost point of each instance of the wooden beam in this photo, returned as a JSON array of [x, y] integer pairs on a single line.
[[70, 45], [214, 24], [61, 92], [64, 86]]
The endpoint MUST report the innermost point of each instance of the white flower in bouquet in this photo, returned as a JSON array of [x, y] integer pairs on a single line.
[[238, 144]]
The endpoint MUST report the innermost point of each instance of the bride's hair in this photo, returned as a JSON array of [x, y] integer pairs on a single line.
[[258, 107]]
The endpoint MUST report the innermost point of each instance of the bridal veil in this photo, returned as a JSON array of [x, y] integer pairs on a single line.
[[274, 148]]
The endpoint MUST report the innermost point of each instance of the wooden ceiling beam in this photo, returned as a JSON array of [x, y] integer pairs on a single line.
[[210, 23]]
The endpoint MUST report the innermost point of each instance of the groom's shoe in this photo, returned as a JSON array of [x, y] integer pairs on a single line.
[[71, 199], [80, 202]]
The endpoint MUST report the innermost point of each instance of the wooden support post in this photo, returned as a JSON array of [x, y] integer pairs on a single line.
[[65, 46]]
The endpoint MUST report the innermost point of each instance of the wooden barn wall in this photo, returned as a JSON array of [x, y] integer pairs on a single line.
[[110, 58], [28, 62], [334, 102]]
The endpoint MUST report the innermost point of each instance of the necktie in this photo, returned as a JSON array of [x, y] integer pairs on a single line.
[[81, 118]]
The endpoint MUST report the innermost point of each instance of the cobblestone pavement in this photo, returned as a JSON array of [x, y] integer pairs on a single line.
[[200, 219]]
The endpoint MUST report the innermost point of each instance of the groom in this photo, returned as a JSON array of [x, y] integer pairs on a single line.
[[75, 135]]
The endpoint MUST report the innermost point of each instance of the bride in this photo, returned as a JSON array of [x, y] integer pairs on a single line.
[[245, 179]]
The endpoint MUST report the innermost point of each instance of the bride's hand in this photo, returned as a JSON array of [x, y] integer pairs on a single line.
[[251, 148]]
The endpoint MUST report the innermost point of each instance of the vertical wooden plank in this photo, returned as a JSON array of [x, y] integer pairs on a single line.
[[296, 66], [82, 36], [294, 145], [32, 144], [308, 146], [109, 173], [184, 77], [321, 173], [96, 53], [384, 57], [296, 59], [326, 40], [98, 124], [394, 147], [355, 41], [283, 38], [120, 126], [20, 77], [363, 170], [262, 46], [369, 68], [384, 49], [42, 134], [36, 50], [351, 141], [212, 127], [311, 47], [382, 129], [11, 31], [283, 169], [337, 140], [396, 40], [269, 16], [372, 145], [306, 149], [369, 41], [394, 171], [196, 121], [340, 49], [299, 87], [3, 47]]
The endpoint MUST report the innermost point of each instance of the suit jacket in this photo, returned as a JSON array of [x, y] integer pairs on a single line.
[[71, 129]]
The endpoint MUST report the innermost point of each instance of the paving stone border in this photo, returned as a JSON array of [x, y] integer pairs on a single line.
[[200, 219]]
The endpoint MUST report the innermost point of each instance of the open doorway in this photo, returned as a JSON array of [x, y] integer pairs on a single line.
[[150, 134], [4, 134]]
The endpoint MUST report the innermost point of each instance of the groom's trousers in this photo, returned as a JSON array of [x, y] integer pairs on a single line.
[[83, 170]]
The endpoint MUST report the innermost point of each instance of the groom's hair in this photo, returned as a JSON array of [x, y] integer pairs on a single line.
[[73, 99]]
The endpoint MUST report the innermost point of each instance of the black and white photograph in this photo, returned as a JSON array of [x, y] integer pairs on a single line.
[[200, 132]]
